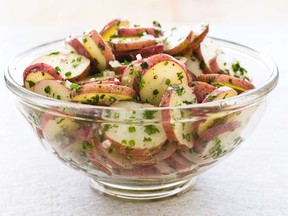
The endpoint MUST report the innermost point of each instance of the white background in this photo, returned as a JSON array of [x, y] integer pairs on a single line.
[[253, 181]]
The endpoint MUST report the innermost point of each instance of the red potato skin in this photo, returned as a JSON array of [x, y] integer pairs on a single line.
[[105, 49], [97, 160], [111, 24], [178, 162], [43, 68], [226, 79], [214, 67], [95, 87], [201, 90], [76, 44], [132, 45], [196, 41], [213, 132], [145, 52], [219, 92], [137, 31]]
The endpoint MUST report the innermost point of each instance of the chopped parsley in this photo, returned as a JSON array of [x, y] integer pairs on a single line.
[[69, 73], [216, 150], [58, 69], [47, 89], [180, 76], [132, 129], [151, 129], [210, 80], [149, 114], [75, 87], [155, 92], [157, 24], [179, 90], [167, 82], [144, 65], [85, 146], [101, 47], [202, 64], [84, 40], [166, 63], [30, 83], [132, 143], [147, 139], [54, 53]]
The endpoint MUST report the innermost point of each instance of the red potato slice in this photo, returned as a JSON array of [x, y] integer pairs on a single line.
[[238, 84], [134, 139], [161, 71], [178, 162], [98, 49], [144, 53], [177, 39], [37, 72], [201, 90], [223, 64], [220, 94], [194, 66], [71, 66], [58, 127], [198, 35], [102, 94], [129, 77], [127, 44], [53, 89], [164, 168], [132, 112], [111, 29], [139, 31], [98, 161], [177, 130], [212, 133]]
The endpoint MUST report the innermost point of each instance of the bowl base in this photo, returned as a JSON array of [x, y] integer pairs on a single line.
[[142, 193]]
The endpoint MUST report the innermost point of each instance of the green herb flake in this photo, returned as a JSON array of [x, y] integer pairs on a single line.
[[179, 90], [156, 23], [101, 47], [75, 87], [155, 92], [69, 73], [216, 150], [147, 139], [58, 97], [85, 146], [47, 89], [84, 40], [151, 129], [79, 59], [180, 76], [132, 129], [210, 80], [58, 69], [30, 83], [149, 114], [166, 63], [54, 53], [106, 127], [167, 82], [202, 64], [132, 143], [144, 65]]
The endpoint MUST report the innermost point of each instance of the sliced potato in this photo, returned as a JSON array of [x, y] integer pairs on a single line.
[[126, 44], [174, 121], [103, 94], [177, 39], [201, 90], [162, 71], [71, 66], [238, 84], [139, 31], [220, 94], [53, 89], [37, 72], [111, 29]]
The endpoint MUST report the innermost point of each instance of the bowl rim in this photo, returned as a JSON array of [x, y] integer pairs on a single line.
[[246, 98]]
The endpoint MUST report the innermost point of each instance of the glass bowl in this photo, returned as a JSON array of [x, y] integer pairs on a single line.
[[87, 137]]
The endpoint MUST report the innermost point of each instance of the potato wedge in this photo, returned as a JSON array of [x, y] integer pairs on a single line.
[[71, 66], [37, 72]]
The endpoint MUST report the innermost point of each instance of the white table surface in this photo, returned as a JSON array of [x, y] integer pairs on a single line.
[[253, 181]]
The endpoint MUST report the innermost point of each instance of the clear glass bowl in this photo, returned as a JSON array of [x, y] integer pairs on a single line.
[[86, 137]]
